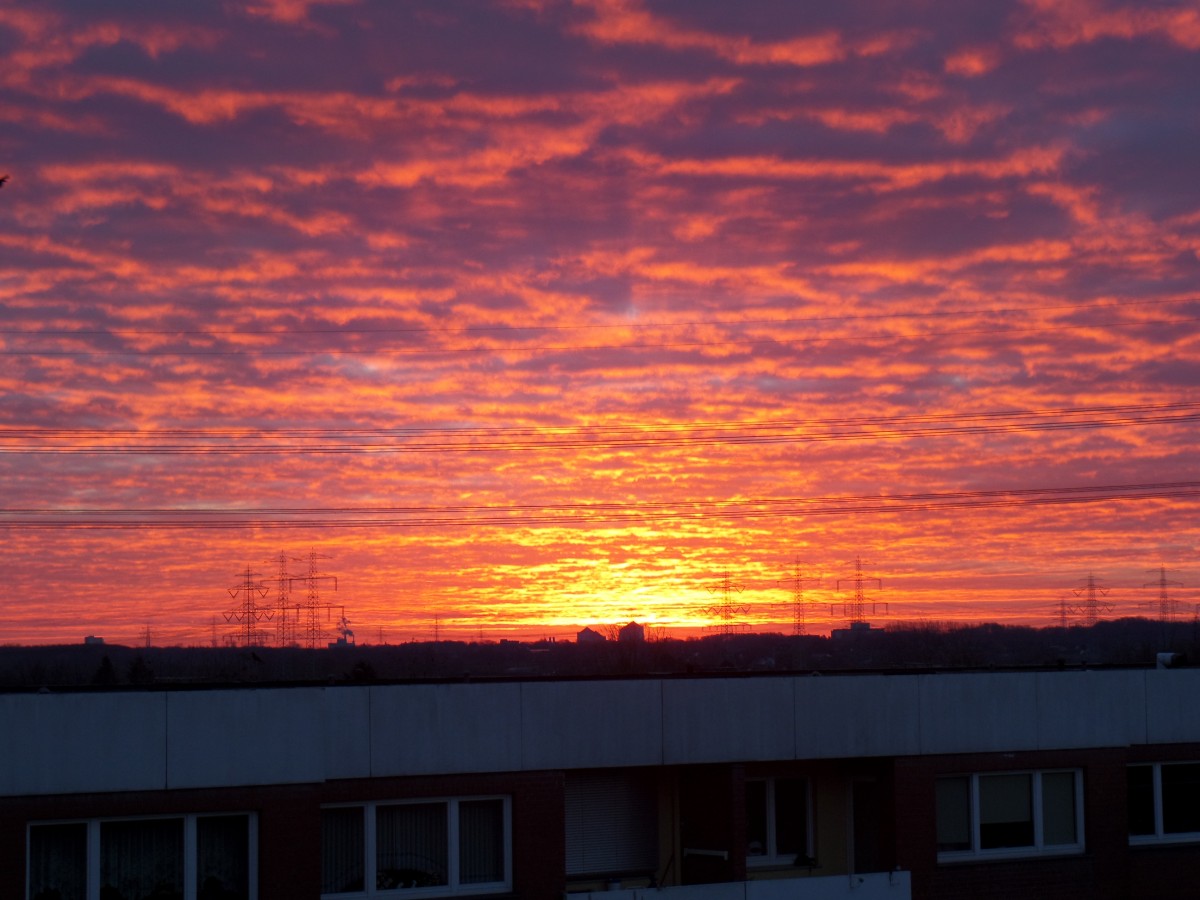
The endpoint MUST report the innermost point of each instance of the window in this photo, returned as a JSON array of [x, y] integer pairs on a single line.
[[1164, 802], [191, 857], [416, 849], [1009, 814], [778, 822], [611, 823]]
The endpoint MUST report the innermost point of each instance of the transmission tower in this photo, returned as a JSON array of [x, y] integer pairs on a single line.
[[1065, 611], [248, 613], [1092, 604], [287, 615], [856, 610], [1166, 606], [796, 579], [314, 631], [727, 610]]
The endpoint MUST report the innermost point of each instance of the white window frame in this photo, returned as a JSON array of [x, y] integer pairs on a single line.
[[1160, 836], [772, 857], [190, 864], [1038, 848], [451, 889]]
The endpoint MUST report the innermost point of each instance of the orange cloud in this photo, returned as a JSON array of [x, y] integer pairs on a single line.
[[290, 12], [972, 62], [627, 22], [1065, 23]]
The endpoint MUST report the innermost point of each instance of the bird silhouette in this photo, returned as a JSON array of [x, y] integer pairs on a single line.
[[3, 178]]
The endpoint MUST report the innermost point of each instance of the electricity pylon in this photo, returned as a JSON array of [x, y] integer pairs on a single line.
[[1092, 605], [856, 609], [727, 610], [796, 579], [248, 613], [314, 632], [1166, 606]]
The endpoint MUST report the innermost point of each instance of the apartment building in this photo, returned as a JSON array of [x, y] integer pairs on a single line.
[[1081, 783]]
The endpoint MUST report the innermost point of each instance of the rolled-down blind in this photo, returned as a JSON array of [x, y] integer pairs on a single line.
[[612, 823]]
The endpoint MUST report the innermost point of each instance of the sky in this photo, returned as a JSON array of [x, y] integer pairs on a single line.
[[508, 318]]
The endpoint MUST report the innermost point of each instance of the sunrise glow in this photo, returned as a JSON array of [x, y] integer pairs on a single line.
[[532, 315]]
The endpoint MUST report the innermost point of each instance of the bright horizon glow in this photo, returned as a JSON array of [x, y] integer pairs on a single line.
[[533, 315]]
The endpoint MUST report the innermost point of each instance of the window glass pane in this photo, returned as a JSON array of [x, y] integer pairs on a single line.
[[342, 850], [481, 841], [756, 818], [223, 858], [58, 862], [791, 817], [1058, 808], [1140, 795], [1181, 798], [141, 860], [1005, 811], [411, 846], [953, 813]]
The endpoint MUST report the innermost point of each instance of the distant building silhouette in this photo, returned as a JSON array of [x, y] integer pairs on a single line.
[[633, 633], [589, 636]]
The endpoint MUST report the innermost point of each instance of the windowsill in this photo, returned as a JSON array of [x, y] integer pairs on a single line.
[[1009, 854], [1165, 840]]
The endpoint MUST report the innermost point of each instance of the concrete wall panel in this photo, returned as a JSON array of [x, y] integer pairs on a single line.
[[586, 724], [273, 736], [713, 720], [1090, 709], [868, 715], [347, 718], [978, 712], [1172, 706], [134, 740], [445, 728], [76, 743]]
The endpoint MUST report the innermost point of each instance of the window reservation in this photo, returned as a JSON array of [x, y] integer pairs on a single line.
[[1009, 814], [428, 848]]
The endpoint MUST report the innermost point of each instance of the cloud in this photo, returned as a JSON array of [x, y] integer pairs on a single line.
[[1067, 23], [426, 256]]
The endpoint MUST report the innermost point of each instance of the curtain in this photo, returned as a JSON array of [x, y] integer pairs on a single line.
[[222, 858], [953, 815], [611, 823], [481, 841], [58, 862], [1005, 811], [141, 860], [342, 850], [412, 845]]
